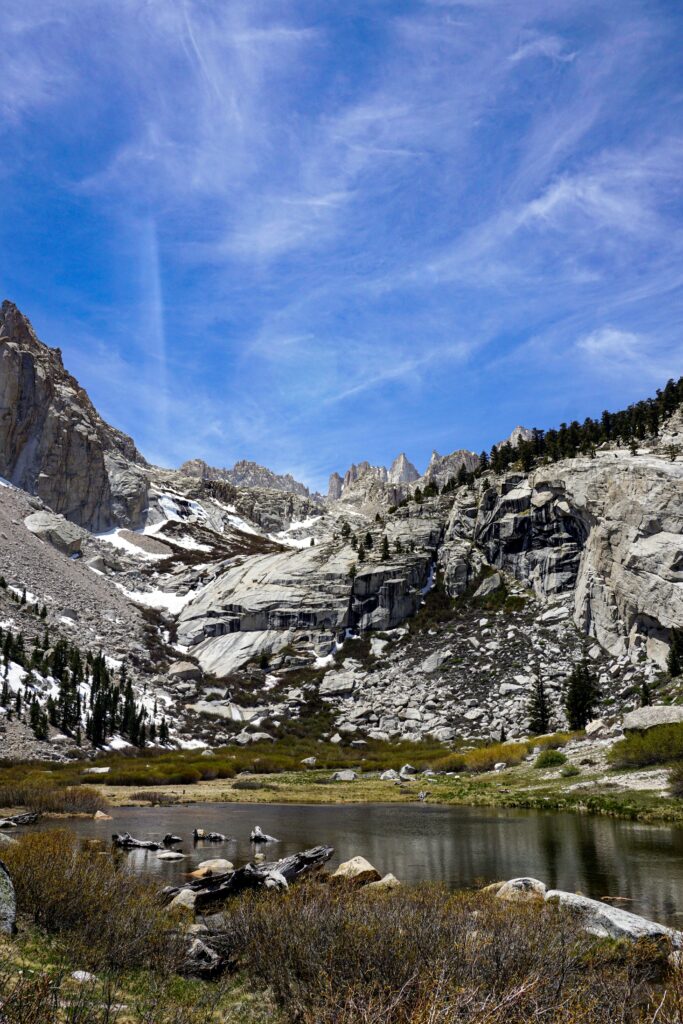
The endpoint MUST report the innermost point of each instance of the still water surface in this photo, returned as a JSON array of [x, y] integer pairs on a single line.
[[459, 846]]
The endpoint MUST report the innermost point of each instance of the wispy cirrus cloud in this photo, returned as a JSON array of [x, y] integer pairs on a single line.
[[309, 233]]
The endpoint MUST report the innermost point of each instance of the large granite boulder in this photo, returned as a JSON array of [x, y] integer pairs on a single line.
[[605, 921], [57, 531], [646, 718]]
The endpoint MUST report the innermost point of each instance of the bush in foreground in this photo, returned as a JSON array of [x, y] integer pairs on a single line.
[[109, 917], [427, 956], [656, 746]]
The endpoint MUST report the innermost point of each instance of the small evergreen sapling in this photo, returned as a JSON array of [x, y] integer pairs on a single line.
[[539, 709], [582, 696]]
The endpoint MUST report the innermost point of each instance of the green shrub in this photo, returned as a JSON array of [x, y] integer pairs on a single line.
[[550, 758], [568, 771], [656, 746]]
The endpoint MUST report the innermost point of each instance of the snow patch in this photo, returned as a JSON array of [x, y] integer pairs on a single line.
[[159, 599]]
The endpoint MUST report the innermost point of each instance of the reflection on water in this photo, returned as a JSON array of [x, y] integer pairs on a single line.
[[459, 846]]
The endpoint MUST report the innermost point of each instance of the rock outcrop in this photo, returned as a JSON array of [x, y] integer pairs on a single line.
[[444, 468], [53, 443], [245, 474], [402, 471]]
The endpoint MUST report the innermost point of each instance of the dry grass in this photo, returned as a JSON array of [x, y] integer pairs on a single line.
[[46, 798], [426, 956], [108, 917]]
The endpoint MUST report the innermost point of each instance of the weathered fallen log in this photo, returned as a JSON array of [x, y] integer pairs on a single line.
[[170, 840], [275, 875], [125, 841], [208, 837], [258, 836], [28, 818]]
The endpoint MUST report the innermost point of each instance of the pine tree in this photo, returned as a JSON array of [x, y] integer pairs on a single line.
[[385, 549], [539, 709], [674, 661], [398, 546], [581, 697], [368, 541], [361, 553], [353, 571], [645, 695], [163, 732]]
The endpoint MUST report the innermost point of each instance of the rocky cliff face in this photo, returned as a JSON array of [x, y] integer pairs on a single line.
[[246, 474], [402, 471], [443, 468], [351, 602], [607, 530], [54, 444]]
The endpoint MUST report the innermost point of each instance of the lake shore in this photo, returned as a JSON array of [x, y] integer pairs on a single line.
[[639, 795]]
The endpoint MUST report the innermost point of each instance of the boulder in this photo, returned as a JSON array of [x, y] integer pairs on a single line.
[[494, 888], [435, 661], [596, 729], [643, 719], [605, 921], [57, 531], [101, 816], [170, 855], [310, 762], [185, 900], [357, 870], [214, 866], [489, 586], [522, 890], [387, 881], [337, 684], [390, 775], [184, 671], [344, 775], [8, 903]]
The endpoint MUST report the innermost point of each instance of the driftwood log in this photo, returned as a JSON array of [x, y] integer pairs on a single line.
[[29, 818], [276, 875], [125, 841]]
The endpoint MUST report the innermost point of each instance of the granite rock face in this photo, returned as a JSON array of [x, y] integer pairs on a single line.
[[245, 474], [54, 444], [607, 530]]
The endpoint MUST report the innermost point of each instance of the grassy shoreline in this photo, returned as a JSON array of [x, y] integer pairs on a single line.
[[513, 788], [578, 778]]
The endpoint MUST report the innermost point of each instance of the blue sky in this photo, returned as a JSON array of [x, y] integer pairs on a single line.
[[309, 232]]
